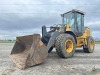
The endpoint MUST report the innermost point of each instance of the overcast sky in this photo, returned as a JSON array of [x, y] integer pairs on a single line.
[[23, 17]]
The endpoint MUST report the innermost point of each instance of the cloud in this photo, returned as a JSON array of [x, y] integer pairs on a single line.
[[13, 34], [95, 26], [14, 22], [24, 17]]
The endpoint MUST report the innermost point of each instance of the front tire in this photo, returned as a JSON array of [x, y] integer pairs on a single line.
[[89, 48], [65, 45]]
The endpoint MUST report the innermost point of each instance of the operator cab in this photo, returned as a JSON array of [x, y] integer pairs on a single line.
[[75, 19]]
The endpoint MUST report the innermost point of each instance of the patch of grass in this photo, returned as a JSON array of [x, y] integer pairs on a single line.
[[97, 42], [7, 41]]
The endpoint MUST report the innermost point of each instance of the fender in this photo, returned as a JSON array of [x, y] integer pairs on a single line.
[[73, 34]]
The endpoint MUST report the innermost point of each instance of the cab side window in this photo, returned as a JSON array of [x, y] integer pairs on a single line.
[[79, 23]]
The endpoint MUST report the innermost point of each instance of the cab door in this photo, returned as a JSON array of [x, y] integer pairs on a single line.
[[79, 24]]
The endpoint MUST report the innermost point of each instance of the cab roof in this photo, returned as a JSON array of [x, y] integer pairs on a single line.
[[74, 10]]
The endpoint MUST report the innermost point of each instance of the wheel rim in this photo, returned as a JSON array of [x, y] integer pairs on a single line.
[[91, 44], [69, 46]]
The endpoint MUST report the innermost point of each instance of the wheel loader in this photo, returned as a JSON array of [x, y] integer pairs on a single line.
[[65, 38]]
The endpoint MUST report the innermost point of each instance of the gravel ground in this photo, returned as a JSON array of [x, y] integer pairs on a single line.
[[80, 64]]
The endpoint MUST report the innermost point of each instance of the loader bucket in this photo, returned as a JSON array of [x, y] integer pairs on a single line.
[[28, 51]]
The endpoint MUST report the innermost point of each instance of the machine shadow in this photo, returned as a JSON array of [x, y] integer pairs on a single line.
[[54, 54], [79, 51]]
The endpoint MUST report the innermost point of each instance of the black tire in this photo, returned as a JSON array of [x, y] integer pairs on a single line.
[[87, 48], [60, 45], [50, 50]]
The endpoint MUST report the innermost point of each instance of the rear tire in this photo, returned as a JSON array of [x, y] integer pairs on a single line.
[[65, 45], [89, 48]]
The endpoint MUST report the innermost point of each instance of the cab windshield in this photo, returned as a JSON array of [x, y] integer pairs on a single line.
[[68, 18]]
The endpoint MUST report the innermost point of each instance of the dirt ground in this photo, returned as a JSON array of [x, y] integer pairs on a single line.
[[80, 64]]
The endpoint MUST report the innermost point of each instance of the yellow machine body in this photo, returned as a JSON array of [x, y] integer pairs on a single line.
[[81, 40]]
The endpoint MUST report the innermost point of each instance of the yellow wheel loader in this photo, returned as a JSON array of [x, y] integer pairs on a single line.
[[65, 38]]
